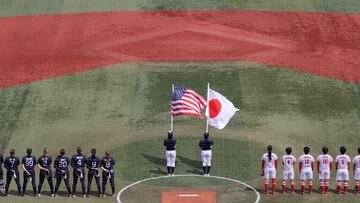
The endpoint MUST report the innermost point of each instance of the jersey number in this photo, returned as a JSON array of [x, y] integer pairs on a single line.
[[325, 161], [306, 161], [29, 163], [63, 164], [107, 164], [79, 162], [342, 161], [93, 164]]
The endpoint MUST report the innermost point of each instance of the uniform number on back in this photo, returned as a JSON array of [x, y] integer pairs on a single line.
[[29, 162], [62, 164]]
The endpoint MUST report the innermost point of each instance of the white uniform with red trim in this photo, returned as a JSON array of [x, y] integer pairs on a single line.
[[306, 170], [356, 162], [324, 167], [343, 170], [269, 166], [288, 167]]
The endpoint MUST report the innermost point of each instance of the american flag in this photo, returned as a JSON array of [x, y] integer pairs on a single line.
[[187, 102]]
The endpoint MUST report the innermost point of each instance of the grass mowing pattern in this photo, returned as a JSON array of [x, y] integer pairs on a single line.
[[146, 158], [38, 7], [125, 108]]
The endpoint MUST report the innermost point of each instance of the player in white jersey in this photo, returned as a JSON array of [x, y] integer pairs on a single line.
[[269, 166], [324, 167], [288, 162], [356, 162], [342, 170], [306, 166]]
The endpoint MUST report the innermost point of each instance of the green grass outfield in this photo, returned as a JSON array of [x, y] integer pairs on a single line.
[[38, 7], [125, 108]]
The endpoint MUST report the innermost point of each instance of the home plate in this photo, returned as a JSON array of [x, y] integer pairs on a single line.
[[188, 196]]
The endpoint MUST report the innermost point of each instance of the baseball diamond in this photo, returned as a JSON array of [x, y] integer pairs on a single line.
[[161, 101]]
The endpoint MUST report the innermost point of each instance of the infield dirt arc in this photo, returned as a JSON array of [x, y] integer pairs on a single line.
[[41, 47]]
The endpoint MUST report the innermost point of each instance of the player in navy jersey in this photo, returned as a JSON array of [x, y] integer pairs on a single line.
[[78, 163], [170, 153], [205, 145], [93, 164], [62, 171], [107, 165], [44, 164], [28, 164], [11, 164], [1, 170], [2, 184]]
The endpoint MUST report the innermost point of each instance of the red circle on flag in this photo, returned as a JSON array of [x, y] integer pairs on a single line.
[[214, 108]]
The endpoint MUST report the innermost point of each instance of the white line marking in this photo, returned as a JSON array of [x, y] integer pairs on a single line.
[[189, 195], [161, 177]]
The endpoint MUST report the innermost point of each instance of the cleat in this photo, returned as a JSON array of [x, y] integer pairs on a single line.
[[52, 195], [39, 195], [113, 195]]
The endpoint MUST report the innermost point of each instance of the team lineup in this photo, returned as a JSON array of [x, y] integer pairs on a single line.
[[324, 165], [61, 164]]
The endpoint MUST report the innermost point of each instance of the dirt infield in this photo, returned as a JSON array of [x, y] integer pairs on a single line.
[[40, 47], [188, 196]]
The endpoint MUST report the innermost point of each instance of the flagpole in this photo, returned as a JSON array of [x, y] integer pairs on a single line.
[[172, 116], [207, 106]]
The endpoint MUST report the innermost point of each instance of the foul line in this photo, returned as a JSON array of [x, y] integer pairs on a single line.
[[161, 177]]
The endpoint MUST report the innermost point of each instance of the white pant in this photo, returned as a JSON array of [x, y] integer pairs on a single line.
[[306, 174], [357, 174], [342, 174], [324, 174], [269, 173], [288, 174], [206, 157], [170, 158]]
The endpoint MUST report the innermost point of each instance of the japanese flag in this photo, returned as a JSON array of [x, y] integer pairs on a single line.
[[219, 110]]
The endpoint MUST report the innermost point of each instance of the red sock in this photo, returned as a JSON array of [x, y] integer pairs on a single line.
[[266, 187], [310, 187], [292, 186], [321, 187], [339, 187], [357, 187], [283, 186], [303, 187], [273, 185], [326, 187], [346, 187]]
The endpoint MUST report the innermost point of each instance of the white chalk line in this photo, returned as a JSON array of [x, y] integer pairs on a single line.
[[118, 197]]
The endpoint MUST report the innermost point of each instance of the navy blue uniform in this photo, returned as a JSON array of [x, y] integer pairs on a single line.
[[108, 164], [206, 144], [45, 162], [62, 172], [12, 170], [78, 163], [29, 162], [170, 144], [1, 170], [93, 163], [170, 155]]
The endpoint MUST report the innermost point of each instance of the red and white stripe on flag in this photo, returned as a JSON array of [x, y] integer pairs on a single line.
[[187, 102]]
